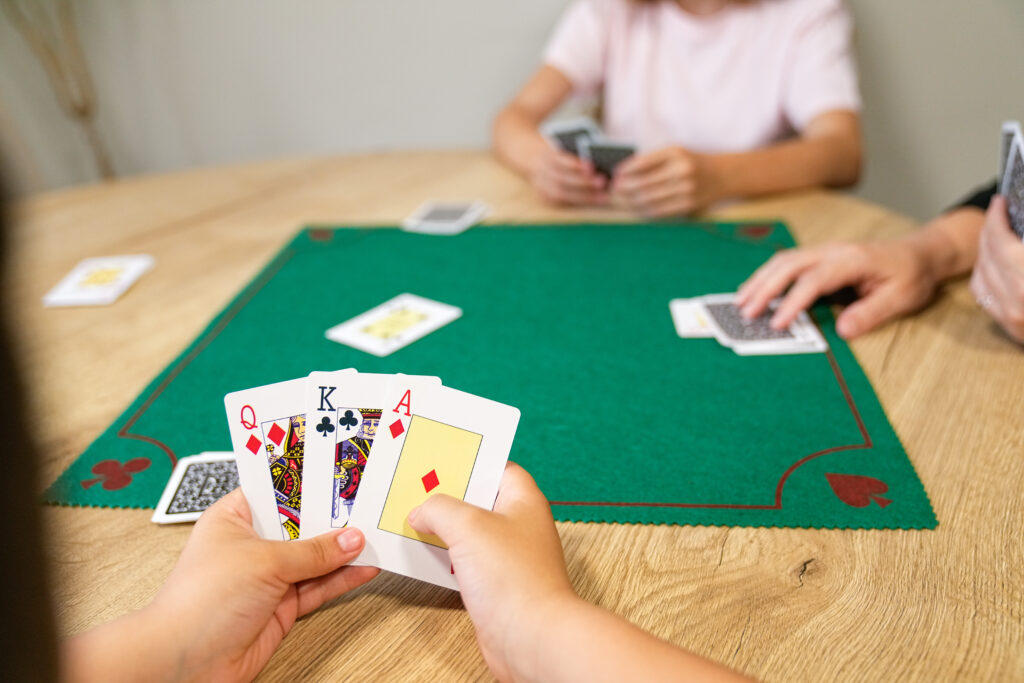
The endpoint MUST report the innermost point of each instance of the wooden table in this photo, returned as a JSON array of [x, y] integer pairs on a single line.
[[779, 604]]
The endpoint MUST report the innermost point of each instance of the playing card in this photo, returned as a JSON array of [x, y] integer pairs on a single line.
[[393, 324], [345, 411], [756, 336], [1009, 131], [98, 281], [268, 432], [689, 319], [437, 218], [431, 440], [568, 134], [1013, 186], [606, 156], [198, 481]]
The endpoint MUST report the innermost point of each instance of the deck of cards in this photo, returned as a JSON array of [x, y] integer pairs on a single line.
[[716, 315], [583, 138], [1011, 174], [347, 448]]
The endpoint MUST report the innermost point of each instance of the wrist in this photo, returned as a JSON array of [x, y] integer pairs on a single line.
[[722, 177], [541, 625], [946, 247]]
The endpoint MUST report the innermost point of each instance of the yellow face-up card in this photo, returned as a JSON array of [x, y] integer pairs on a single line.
[[394, 323], [436, 458]]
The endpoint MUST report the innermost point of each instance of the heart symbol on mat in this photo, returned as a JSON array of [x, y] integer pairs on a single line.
[[858, 491], [114, 474]]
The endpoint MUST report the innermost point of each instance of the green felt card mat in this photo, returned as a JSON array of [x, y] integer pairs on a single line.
[[622, 421]]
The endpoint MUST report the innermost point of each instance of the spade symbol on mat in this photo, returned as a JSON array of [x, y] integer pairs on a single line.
[[115, 475], [349, 421], [858, 491], [325, 427]]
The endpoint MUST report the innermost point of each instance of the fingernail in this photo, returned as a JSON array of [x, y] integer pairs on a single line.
[[413, 513], [774, 322], [349, 539]]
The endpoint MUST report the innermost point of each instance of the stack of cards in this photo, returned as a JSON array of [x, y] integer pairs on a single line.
[[440, 218], [347, 448], [715, 315], [583, 138], [1011, 174]]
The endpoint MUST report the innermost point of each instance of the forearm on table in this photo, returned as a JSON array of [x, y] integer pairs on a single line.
[[829, 158], [579, 641], [517, 141], [949, 243], [136, 647]]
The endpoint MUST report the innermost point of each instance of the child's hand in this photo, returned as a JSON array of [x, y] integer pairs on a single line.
[[670, 182], [509, 566], [998, 279], [232, 596], [564, 179]]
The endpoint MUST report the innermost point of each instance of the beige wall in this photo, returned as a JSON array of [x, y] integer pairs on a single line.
[[195, 82]]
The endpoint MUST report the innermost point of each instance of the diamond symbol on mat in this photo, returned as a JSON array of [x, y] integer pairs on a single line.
[[253, 444], [396, 429], [276, 434], [430, 481]]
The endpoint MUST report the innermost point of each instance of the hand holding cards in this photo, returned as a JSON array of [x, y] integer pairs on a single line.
[[1011, 174], [377, 447], [717, 315]]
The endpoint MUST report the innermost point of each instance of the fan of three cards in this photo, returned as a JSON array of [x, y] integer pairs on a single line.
[[346, 448]]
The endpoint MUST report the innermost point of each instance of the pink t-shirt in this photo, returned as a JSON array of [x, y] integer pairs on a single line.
[[741, 78]]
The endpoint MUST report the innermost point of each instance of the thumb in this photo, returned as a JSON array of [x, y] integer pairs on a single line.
[[868, 313], [296, 561], [444, 516]]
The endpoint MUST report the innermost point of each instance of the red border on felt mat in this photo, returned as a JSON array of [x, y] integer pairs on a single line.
[[267, 275], [258, 284], [866, 444]]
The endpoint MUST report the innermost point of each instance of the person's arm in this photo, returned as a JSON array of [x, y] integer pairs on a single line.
[[891, 278], [674, 180], [530, 624], [558, 175], [225, 608]]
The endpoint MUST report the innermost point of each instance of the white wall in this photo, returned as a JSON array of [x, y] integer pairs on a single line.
[[196, 82]]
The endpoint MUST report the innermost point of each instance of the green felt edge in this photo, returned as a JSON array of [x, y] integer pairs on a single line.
[[51, 495], [596, 515]]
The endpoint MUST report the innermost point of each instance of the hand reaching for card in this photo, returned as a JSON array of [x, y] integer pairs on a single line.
[[669, 182], [566, 179], [227, 604], [508, 564], [891, 278], [998, 278]]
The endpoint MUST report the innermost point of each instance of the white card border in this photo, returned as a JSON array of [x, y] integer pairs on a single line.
[[497, 423]]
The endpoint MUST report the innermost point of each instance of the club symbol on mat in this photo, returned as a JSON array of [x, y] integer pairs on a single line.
[[350, 420], [325, 427], [115, 475], [858, 491], [430, 481]]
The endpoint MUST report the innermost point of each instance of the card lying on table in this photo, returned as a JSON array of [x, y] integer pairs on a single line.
[[394, 324], [345, 448], [441, 218], [716, 315], [98, 281], [198, 481]]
